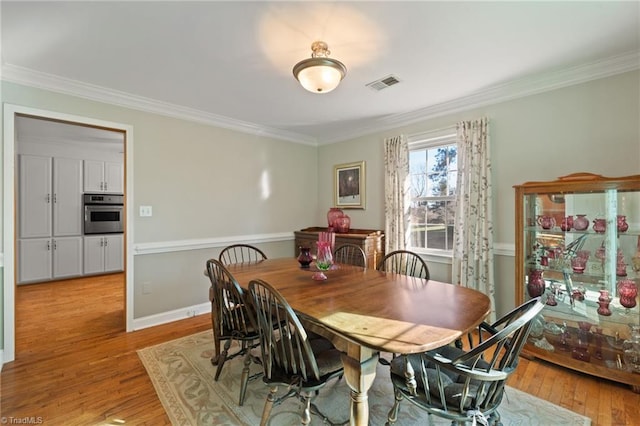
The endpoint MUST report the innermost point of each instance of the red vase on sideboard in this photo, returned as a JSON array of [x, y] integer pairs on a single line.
[[332, 215]]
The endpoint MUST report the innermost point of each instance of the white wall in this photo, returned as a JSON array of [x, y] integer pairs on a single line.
[[591, 127]]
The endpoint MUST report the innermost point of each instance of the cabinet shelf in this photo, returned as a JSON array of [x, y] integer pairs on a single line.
[[580, 298]]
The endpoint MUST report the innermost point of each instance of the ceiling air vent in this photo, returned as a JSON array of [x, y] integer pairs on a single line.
[[383, 83]]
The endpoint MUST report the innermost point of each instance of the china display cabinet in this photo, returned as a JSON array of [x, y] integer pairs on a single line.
[[578, 246]]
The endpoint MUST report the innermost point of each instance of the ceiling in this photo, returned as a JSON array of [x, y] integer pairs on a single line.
[[229, 63]]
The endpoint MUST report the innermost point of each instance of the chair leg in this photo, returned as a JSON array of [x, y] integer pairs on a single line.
[[216, 341], [245, 376], [495, 418], [392, 417], [306, 415], [223, 358], [268, 405]]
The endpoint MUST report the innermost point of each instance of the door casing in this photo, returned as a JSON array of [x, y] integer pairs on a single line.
[[9, 210]]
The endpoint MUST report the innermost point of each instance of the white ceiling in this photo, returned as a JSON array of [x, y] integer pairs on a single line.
[[229, 63]]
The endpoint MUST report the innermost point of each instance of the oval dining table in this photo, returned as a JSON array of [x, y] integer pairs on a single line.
[[365, 312]]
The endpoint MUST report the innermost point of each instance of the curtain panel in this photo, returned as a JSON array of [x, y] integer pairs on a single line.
[[473, 263], [396, 192]]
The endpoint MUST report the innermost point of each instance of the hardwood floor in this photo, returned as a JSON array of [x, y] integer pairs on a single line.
[[75, 365]]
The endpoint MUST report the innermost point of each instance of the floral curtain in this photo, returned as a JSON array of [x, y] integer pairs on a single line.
[[473, 229], [396, 192]]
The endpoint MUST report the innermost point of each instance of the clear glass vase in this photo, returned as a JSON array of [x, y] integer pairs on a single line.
[[324, 260], [631, 348]]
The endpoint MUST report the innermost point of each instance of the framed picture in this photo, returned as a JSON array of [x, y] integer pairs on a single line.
[[349, 185]]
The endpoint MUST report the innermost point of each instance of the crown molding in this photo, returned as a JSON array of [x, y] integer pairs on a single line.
[[514, 89], [29, 77]]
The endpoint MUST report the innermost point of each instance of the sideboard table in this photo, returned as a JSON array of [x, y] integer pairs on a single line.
[[370, 240]]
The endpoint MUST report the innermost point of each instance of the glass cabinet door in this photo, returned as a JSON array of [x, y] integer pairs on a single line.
[[578, 247]]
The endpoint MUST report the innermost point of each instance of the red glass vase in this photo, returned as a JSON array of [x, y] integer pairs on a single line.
[[536, 284], [628, 291], [305, 257], [603, 303], [332, 215], [342, 224]]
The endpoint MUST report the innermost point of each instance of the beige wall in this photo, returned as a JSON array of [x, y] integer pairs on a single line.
[[591, 127], [203, 183], [207, 182]]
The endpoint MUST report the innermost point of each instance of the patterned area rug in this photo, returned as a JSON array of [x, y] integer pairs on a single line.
[[182, 374]]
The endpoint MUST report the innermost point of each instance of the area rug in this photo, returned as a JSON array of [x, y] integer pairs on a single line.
[[183, 377]]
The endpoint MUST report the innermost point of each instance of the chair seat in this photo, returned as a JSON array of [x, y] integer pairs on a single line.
[[465, 385], [300, 360], [328, 360], [453, 384]]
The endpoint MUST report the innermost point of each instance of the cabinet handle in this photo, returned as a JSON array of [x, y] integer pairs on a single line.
[[55, 245], [106, 242], [48, 246], [105, 186], [101, 242], [48, 198], [55, 198]]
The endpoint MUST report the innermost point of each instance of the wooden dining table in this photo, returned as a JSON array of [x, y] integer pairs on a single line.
[[365, 312]]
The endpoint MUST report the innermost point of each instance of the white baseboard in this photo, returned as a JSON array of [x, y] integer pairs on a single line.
[[170, 316]]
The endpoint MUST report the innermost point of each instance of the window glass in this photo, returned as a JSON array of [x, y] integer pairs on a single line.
[[433, 168]]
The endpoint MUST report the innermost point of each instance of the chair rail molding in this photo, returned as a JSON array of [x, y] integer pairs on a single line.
[[207, 243]]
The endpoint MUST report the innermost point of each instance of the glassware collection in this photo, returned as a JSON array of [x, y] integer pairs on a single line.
[[578, 246]]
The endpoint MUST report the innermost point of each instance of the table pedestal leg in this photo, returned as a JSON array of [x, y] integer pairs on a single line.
[[359, 376]]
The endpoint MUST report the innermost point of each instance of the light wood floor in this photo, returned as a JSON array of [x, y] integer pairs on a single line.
[[75, 365]]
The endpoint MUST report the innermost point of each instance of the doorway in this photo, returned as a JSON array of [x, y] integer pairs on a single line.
[[81, 125]]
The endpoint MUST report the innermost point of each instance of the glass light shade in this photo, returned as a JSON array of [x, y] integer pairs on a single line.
[[319, 75]]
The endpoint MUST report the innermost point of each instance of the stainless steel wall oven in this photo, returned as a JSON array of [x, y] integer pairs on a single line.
[[103, 213]]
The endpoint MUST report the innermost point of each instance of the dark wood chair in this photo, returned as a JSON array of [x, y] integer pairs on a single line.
[[350, 254], [465, 385], [291, 356], [232, 318], [404, 262], [241, 253]]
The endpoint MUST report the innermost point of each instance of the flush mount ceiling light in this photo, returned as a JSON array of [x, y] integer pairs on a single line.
[[319, 74]]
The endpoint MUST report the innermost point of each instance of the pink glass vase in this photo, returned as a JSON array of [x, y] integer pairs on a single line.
[[535, 284], [342, 224], [622, 223], [600, 225], [603, 303], [581, 222], [628, 291], [567, 223], [332, 215]]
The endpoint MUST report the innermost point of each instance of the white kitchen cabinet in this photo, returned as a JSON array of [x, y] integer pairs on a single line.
[[103, 176], [103, 253], [50, 218], [34, 203], [67, 197], [50, 197], [43, 259]]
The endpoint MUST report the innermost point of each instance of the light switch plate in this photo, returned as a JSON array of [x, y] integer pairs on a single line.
[[146, 211]]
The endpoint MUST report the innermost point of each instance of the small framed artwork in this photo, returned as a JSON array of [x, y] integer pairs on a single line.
[[349, 185]]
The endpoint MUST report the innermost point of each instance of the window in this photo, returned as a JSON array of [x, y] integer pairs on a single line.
[[433, 169]]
